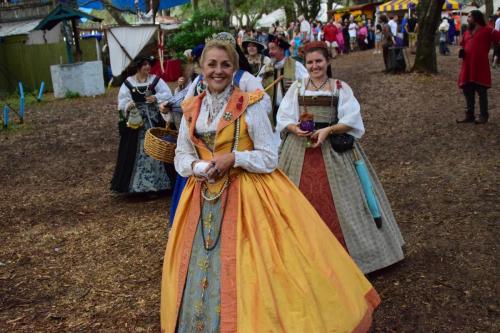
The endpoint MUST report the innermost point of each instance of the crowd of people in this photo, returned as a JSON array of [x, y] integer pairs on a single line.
[[276, 211]]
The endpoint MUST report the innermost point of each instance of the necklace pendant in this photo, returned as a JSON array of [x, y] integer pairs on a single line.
[[228, 116], [208, 220], [204, 283]]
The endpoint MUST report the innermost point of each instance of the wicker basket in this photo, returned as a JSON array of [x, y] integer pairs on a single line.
[[158, 148]]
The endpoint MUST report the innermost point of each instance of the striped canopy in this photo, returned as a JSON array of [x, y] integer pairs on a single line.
[[395, 5]]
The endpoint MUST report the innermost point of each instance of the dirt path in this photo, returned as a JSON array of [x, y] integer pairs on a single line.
[[75, 258]]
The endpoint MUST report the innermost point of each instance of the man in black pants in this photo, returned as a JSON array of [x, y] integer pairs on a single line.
[[475, 74]]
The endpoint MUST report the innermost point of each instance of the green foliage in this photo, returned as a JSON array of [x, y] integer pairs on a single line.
[[13, 100], [71, 94], [203, 23], [308, 8], [253, 10]]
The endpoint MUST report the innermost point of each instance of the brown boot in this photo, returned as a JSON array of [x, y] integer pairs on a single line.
[[467, 119]]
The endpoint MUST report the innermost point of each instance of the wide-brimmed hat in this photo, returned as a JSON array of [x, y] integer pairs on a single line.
[[249, 40], [280, 41]]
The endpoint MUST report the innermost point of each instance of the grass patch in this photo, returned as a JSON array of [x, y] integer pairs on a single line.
[[16, 128], [13, 100], [71, 94]]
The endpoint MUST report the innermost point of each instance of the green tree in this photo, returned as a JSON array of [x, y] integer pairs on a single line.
[[251, 11], [308, 8], [202, 24]]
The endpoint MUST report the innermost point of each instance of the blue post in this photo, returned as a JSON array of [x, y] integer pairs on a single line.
[[40, 92], [21, 102], [5, 116]]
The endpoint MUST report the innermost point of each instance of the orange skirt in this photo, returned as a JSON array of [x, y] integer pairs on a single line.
[[282, 270]]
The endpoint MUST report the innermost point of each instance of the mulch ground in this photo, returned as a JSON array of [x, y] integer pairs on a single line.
[[76, 258]]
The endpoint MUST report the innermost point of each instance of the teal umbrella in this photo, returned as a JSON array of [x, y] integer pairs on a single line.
[[366, 183]]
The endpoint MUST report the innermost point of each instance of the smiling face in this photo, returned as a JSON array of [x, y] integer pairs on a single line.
[[252, 49], [276, 52], [218, 69], [317, 65]]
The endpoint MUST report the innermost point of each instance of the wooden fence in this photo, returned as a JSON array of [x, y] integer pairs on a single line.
[[30, 64]]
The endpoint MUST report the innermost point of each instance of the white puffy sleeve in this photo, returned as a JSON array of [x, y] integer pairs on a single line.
[[185, 153], [350, 111], [124, 97], [163, 92], [250, 83], [300, 71], [264, 156], [192, 87], [288, 112]]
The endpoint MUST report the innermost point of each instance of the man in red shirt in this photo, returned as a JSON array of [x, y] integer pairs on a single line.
[[475, 74], [330, 35]]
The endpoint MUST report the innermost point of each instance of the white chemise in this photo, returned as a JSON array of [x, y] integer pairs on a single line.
[[262, 159], [125, 97], [349, 110]]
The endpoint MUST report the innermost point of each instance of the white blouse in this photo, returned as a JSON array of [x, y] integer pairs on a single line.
[[349, 110], [125, 97], [262, 159]]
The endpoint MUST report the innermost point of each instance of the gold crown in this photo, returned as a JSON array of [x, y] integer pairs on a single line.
[[222, 37]]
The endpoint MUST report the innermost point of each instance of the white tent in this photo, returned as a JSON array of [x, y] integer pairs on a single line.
[[125, 43], [323, 12], [267, 20], [34, 36]]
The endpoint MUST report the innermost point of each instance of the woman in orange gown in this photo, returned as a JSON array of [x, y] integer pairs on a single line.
[[248, 252]]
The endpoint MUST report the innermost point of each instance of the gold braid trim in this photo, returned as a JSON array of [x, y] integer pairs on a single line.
[[255, 96]]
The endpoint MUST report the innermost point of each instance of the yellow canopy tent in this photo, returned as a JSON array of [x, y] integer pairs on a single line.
[[398, 5], [357, 11]]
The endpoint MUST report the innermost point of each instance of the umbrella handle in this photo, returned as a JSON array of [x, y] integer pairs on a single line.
[[357, 157]]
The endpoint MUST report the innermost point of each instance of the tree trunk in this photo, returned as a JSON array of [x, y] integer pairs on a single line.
[[429, 13], [239, 18], [154, 7], [489, 8], [76, 36], [115, 13], [227, 9], [194, 3], [290, 13], [329, 6], [308, 8]]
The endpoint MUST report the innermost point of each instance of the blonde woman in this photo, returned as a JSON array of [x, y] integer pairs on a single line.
[[239, 257]]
